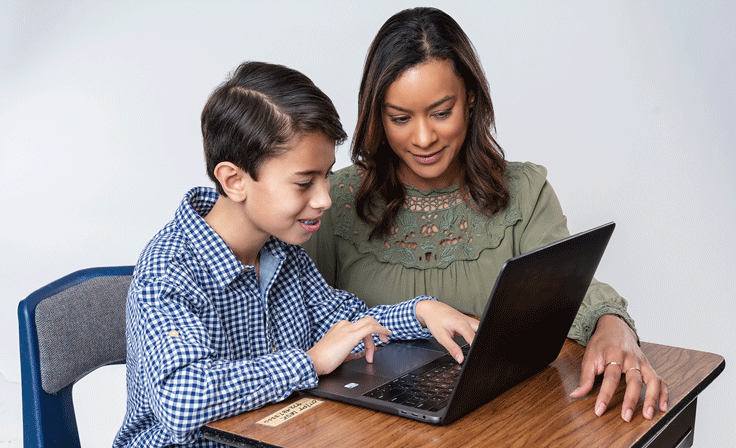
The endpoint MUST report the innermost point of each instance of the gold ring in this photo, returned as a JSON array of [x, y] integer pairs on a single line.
[[632, 368], [615, 364]]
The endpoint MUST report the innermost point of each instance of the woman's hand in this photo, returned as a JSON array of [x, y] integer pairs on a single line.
[[444, 321], [335, 346], [613, 352]]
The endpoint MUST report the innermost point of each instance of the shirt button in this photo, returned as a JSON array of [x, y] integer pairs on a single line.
[[174, 334]]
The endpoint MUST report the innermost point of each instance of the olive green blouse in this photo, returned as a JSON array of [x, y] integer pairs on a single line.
[[442, 247]]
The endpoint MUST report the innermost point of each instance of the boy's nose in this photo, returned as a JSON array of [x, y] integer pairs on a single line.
[[321, 199]]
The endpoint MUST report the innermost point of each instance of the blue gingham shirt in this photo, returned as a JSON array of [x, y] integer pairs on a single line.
[[207, 341]]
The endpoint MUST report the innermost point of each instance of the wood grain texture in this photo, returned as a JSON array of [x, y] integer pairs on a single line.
[[537, 412]]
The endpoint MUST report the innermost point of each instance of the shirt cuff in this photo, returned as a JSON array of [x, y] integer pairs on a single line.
[[300, 369], [423, 333], [584, 331]]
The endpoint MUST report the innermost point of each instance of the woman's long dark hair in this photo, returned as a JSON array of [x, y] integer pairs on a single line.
[[407, 39]]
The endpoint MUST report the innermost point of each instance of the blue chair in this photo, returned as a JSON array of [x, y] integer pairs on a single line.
[[68, 328]]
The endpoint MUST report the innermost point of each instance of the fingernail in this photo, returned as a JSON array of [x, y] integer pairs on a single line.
[[649, 413], [628, 414], [664, 408], [600, 409], [459, 358]]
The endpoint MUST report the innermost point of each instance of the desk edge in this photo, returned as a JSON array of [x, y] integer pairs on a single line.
[[682, 404]]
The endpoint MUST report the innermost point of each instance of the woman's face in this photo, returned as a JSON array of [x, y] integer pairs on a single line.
[[425, 117]]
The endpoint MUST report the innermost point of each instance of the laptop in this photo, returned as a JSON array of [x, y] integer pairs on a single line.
[[526, 320]]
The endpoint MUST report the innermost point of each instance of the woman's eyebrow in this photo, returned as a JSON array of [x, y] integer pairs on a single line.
[[431, 106]]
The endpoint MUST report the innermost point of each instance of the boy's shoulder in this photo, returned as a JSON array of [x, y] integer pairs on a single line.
[[167, 251], [185, 244]]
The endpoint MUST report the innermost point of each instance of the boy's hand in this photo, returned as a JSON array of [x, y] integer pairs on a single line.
[[335, 346], [444, 322]]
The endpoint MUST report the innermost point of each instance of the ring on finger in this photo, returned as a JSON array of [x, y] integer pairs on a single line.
[[615, 364], [632, 368]]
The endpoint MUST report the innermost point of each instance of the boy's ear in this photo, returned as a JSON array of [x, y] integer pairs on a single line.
[[233, 180]]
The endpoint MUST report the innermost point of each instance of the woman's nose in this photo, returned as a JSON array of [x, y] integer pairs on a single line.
[[424, 135]]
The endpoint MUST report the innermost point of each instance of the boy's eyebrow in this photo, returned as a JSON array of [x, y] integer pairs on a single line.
[[431, 106], [313, 172]]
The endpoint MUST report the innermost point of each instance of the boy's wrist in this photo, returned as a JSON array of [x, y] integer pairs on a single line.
[[420, 309]]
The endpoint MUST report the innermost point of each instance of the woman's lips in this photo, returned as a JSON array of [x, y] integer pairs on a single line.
[[427, 160]]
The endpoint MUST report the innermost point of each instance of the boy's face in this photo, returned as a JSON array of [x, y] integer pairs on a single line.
[[293, 189]]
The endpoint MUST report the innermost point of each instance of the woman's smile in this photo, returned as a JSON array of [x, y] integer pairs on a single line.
[[428, 159]]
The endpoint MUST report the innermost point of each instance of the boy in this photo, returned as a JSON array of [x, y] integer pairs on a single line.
[[226, 312]]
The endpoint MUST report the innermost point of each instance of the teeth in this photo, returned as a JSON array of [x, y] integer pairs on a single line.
[[311, 223]]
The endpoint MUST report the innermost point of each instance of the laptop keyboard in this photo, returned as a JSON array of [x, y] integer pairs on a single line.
[[429, 391]]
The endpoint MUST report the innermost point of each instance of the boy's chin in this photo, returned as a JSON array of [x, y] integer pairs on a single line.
[[296, 240]]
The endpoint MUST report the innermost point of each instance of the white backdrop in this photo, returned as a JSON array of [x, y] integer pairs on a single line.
[[629, 104]]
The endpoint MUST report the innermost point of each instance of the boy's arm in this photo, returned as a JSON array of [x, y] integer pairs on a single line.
[[327, 306], [185, 383], [421, 317]]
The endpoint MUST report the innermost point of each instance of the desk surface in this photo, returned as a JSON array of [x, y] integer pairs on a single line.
[[537, 412]]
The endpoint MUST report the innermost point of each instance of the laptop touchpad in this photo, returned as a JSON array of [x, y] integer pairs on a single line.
[[393, 360]]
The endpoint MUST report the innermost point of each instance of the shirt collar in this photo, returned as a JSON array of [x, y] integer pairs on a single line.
[[209, 247]]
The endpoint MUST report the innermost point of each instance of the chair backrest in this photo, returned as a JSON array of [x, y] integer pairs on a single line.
[[68, 328]]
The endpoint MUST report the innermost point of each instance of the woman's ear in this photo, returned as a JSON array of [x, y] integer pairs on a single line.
[[471, 100], [233, 180]]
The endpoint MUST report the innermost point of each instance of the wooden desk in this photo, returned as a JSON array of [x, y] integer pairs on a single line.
[[537, 412]]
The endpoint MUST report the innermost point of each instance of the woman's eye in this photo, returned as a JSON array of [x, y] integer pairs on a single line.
[[399, 120], [442, 114]]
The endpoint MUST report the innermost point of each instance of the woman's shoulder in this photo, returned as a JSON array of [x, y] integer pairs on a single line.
[[343, 185], [525, 181], [526, 174], [349, 175], [528, 185]]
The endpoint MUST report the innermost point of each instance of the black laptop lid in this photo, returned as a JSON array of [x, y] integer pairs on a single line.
[[532, 307]]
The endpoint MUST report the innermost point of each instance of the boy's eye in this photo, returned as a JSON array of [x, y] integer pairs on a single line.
[[309, 183]]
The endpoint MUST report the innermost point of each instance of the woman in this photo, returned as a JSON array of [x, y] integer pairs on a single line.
[[431, 206]]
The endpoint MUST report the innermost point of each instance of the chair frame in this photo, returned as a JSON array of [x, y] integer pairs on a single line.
[[49, 419]]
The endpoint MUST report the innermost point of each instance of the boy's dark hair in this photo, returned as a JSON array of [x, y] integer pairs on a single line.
[[254, 114]]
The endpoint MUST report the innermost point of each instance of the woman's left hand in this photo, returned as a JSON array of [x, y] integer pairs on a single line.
[[613, 352]]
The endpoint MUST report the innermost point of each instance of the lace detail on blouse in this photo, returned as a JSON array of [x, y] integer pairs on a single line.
[[434, 229]]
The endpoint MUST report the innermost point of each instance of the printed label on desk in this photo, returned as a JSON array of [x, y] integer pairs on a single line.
[[290, 412]]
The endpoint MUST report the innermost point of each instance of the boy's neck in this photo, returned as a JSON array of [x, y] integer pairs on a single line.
[[226, 218]]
